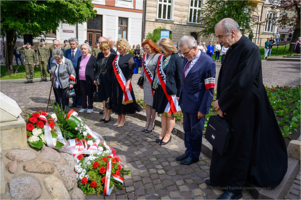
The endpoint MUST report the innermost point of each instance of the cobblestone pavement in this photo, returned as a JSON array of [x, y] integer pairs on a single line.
[[155, 173]]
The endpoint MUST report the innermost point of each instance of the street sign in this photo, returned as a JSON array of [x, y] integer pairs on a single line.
[[165, 33], [68, 31], [255, 17]]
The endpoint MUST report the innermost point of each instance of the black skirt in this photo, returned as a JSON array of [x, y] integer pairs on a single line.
[[297, 50], [105, 89], [160, 100]]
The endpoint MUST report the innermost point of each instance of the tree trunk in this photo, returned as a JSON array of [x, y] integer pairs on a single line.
[[297, 29], [11, 38]]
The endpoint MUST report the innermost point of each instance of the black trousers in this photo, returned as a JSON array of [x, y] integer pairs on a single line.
[[83, 96], [60, 95]]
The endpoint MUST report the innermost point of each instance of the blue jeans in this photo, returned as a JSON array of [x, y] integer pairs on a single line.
[[217, 53], [18, 56], [270, 51], [277, 40]]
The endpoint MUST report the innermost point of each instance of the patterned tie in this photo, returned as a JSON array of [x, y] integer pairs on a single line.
[[185, 68], [72, 54]]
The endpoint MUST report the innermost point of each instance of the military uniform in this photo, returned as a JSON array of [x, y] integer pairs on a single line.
[[95, 52], [30, 60], [43, 56], [51, 49], [65, 48]]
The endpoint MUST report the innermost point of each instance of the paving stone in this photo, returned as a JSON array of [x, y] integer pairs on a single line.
[[159, 186], [197, 192], [136, 178], [183, 188], [180, 182], [175, 194], [128, 183], [154, 176], [172, 188], [138, 184], [156, 181], [294, 191], [189, 181], [291, 196], [167, 183], [148, 186], [129, 189], [161, 171], [139, 192], [150, 191], [146, 180], [186, 194]]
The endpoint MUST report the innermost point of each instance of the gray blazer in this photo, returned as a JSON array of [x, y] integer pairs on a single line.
[[66, 73]]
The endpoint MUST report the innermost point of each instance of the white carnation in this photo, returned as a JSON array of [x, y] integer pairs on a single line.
[[54, 141], [84, 171], [54, 117], [89, 163], [90, 142], [85, 133], [37, 131], [78, 169], [43, 137], [100, 148], [87, 176], [81, 176], [33, 139]]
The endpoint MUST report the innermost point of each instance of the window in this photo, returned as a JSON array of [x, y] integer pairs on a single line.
[[51, 32], [195, 8], [95, 23], [164, 9], [124, 3], [270, 22], [122, 27]]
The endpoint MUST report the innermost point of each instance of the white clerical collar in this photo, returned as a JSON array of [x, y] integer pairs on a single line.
[[63, 61]]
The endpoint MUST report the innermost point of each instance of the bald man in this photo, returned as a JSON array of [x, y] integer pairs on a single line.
[[256, 150]]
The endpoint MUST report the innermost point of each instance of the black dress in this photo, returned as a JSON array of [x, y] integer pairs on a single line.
[[160, 99], [126, 64], [104, 71]]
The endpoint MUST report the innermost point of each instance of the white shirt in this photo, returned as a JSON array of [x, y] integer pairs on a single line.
[[194, 60], [224, 50], [57, 82], [218, 47], [74, 51]]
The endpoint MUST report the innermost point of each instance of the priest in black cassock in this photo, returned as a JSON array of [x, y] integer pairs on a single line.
[[257, 151]]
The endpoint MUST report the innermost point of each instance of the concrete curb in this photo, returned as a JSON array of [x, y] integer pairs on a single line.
[[19, 80]]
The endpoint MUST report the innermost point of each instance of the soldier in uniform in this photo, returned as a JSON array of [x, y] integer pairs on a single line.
[[30, 60], [87, 42], [96, 50], [42, 58], [66, 45]]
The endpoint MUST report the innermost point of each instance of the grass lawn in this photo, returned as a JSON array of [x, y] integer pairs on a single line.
[[21, 74]]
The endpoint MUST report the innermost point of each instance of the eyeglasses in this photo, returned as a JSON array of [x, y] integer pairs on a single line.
[[56, 45], [185, 53]]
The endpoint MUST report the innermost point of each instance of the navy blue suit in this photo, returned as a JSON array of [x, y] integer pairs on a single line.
[[196, 96], [68, 54]]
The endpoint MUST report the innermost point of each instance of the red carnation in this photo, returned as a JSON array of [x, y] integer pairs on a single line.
[[36, 115], [50, 119], [80, 157], [109, 156], [43, 113], [76, 139], [93, 184], [51, 124], [33, 120], [102, 170], [105, 159], [27, 135], [95, 165], [89, 136], [119, 167], [118, 172], [40, 124], [85, 181], [114, 160], [103, 180], [29, 127]]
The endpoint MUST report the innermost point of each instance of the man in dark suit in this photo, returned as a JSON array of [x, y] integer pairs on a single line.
[[73, 54], [198, 82]]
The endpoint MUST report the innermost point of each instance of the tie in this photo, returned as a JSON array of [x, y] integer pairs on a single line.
[[185, 68], [72, 54]]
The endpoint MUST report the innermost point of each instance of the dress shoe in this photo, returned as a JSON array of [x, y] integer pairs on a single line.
[[31, 81], [41, 80], [164, 143], [45, 79], [101, 112], [116, 124], [143, 130], [208, 182], [120, 125], [82, 110], [102, 120], [189, 161], [148, 131], [182, 157], [27, 82], [230, 195], [107, 121], [158, 140]]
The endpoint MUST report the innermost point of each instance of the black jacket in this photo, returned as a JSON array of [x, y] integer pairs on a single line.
[[109, 67], [100, 55], [90, 68]]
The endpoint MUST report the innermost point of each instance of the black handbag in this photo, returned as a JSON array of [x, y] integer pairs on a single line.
[[140, 81], [218, 133], [70, 94], [108, 104]]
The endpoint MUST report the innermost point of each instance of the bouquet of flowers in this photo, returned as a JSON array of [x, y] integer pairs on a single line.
[[41, 128]]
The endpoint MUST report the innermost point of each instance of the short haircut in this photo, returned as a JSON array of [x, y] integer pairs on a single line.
[[166, 45], [56, 41], [73, 40], [85, 44], [228, 24], [189, 40], [138, 45], [57, 53], [123, 44], [105, 45]]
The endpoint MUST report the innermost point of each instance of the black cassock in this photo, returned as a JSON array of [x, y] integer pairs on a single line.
[[257, 151]]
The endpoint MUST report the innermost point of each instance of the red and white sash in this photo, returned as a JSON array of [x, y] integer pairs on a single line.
[[127, 97], [172, 106], [148, 73]]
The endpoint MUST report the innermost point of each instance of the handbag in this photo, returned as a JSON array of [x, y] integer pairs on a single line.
[[108, 104], [70, 93], [140, 81], [218, 133]]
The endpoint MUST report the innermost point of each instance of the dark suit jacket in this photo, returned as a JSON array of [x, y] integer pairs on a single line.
[[173, 75], [48, 66], [91, 65], [194, 95], [100, 55], [68, 54]]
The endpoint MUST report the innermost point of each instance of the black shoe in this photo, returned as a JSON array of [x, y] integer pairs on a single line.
[[41, 80], [189, 161], [143, 130], [164, 143], [106, 121], [148, 131], [182, 157], [102, 120], [230, 195], [45, 79], [158, 140], [208, 182], [31, 81], [27, 82], [101, 112]]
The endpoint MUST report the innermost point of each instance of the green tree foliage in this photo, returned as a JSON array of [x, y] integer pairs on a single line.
[[34, 17], [156, 34], [216, 10]]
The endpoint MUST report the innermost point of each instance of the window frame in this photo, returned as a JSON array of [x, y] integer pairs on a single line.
[[126, 26], [195, 9], [269, 27], [124, 3], [162, 3]]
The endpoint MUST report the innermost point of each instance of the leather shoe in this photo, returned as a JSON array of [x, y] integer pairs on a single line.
[[189, 161], [182, 157], [101, 112], [208, 182], [107, 121], [164, 143], [27, 82], [143, 130], [230, 195], [158, 140], [102, 120]]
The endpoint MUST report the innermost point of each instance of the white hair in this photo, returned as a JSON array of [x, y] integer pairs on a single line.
[[85, 44], [56, 40], [189, 40], [73, 40], [57, 53], [228, 24]]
